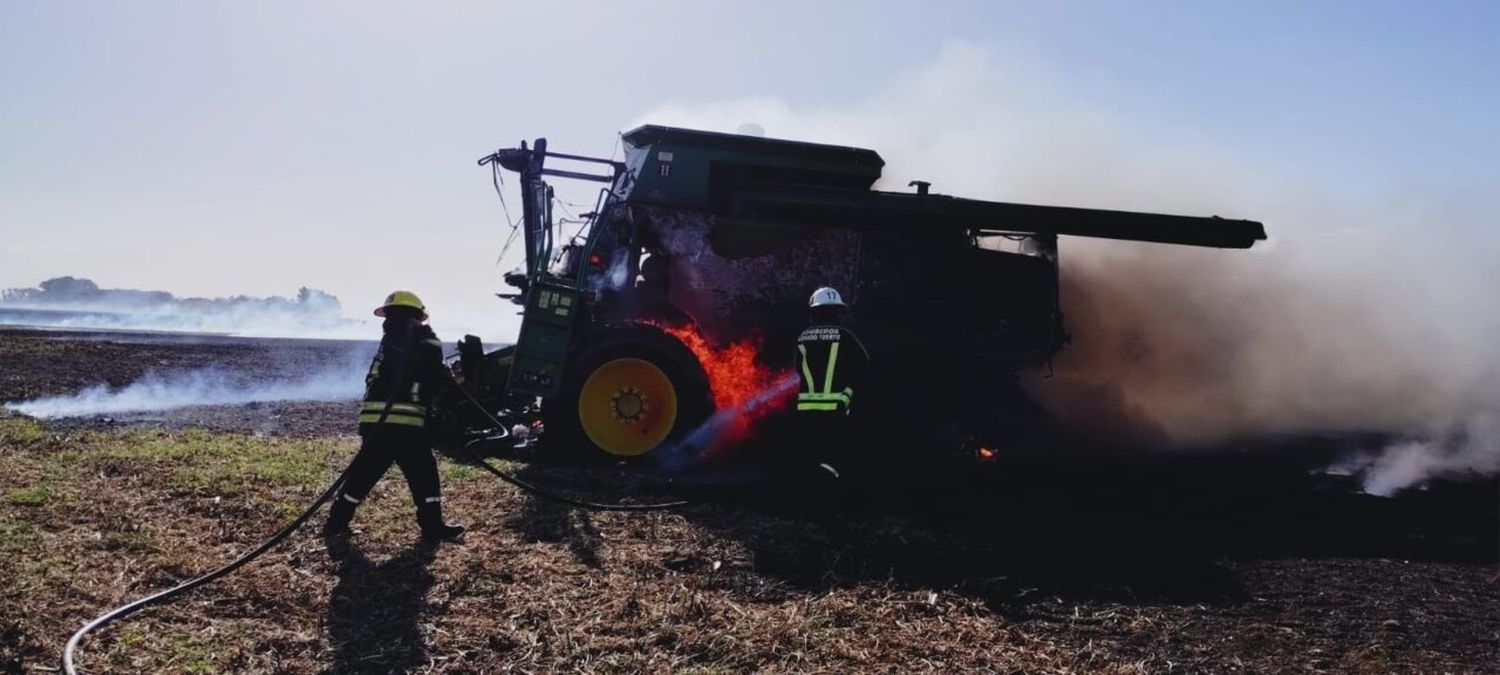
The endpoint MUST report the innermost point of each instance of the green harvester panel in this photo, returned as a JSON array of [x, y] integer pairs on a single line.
[[690, 169], [542, 348]]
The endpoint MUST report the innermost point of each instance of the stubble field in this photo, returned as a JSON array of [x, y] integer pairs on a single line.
[[1236, 563]]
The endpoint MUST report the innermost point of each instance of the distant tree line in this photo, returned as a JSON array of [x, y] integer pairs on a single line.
[[84, 293]]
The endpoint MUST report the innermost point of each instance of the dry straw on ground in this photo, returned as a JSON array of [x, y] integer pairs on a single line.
[[92, 519]]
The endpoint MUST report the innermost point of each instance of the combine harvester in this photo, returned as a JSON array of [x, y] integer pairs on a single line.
[[686, 288]]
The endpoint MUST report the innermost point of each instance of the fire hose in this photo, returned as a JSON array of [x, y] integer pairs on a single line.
[[172, 593], [127, 609]]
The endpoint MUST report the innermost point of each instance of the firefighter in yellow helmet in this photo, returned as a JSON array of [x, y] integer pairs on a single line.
[[405, 375], [831, 364]]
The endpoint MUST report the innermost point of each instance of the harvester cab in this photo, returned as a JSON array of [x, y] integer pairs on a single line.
[[727, 234], [551, 288]]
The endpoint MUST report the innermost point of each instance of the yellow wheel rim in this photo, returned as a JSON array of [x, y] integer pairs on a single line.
[[627, 407]]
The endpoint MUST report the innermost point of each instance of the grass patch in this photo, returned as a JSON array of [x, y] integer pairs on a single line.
[[49, 568], [191, 656], [284, 510], [15, 431], [62, 460], [31, 496], [216, 463], [452, 471], [16, 534], [253, 467], [131, 637], [151, 446], [134, 542]]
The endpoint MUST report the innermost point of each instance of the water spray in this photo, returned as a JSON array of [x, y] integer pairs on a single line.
[[710, 438]]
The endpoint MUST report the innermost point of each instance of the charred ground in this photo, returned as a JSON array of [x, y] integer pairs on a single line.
[[36, 364], [1237, 561]]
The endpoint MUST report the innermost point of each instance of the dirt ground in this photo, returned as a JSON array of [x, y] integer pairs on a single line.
[[1239, 562]]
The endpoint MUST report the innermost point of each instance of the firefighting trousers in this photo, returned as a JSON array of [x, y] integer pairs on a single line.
[[409, 448]]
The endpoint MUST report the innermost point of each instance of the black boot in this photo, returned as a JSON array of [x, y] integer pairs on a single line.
[[339, 516], [434, 530]]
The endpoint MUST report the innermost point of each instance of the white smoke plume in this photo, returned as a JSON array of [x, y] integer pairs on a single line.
[[1360, 313], [208, 386], [1467, 450]]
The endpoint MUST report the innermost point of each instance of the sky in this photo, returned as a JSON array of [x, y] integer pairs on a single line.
[[220, 148]]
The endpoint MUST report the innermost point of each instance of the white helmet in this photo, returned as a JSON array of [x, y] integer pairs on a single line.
[[825, 297]]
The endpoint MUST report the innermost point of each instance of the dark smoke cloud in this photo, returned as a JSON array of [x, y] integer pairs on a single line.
[[1176, 347], [1354, 331]]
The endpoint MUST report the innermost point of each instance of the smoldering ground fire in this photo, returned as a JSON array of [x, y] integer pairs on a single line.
[[166, 390]]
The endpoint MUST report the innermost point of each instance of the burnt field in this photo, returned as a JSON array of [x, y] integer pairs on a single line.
[[1238, 560], [40, 364]]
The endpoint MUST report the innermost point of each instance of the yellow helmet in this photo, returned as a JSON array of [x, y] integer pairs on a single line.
[[402, 299]]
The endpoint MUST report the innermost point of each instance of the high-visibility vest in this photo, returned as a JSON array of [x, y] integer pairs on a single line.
[[409, 398], [818, 354]]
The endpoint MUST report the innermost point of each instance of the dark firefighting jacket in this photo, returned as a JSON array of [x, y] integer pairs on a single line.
[[407, 371], [831, 363]]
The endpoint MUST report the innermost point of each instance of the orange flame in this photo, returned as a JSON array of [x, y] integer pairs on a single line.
[[737, 383], [734, 378]]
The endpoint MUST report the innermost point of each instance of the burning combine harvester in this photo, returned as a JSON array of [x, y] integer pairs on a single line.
[[686, 289]]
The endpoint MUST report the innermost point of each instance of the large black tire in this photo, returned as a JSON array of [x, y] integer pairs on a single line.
[[566, 436]]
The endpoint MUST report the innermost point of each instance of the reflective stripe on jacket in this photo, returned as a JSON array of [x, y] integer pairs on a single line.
[[835, 354], [401, 413], [419, 377]]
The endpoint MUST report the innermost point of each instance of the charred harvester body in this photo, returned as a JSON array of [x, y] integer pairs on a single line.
[[729, 233]]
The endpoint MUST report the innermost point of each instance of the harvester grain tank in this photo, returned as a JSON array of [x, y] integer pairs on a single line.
[[727, 234]]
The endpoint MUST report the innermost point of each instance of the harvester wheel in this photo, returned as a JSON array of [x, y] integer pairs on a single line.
[[630, 389]]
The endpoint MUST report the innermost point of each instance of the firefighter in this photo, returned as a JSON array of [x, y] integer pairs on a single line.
[[831, 363], [403, 379]]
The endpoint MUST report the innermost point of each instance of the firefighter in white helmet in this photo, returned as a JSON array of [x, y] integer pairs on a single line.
[[399, 390], [831, 363]]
